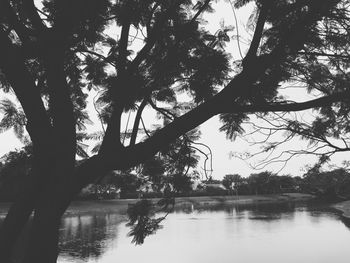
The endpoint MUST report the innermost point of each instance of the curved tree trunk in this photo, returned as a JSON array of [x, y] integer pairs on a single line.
[[20, 211], [54, 200], [16, 220], [43, 237]]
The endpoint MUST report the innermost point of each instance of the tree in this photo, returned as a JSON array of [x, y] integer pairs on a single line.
[[128, 183], [325, 135], [15, 166], [232, 181], [54, 53], [282, 183], [259, 182], [327, 129], [332, 184]]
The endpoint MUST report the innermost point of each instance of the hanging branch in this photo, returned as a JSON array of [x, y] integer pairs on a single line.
[[238, 35], [98, 112]]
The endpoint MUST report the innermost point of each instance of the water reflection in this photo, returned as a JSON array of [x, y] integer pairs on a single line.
[[266, 211], [270, 233], [87, 237], [217, 233]]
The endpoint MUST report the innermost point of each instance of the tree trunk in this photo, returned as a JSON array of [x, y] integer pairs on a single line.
[[41, 195], [15, 222], [54, 200], [23, 206], [42, 245]]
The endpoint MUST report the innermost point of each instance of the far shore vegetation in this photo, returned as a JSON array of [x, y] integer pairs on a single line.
[[331, 185]]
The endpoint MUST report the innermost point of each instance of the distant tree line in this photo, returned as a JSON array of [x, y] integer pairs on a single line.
[[333, 184], [261, 183]]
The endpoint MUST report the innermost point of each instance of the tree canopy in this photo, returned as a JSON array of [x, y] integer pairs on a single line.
[[134, 55]]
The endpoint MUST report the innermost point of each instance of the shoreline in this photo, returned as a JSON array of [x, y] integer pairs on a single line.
[[121, 205], [343, 208]]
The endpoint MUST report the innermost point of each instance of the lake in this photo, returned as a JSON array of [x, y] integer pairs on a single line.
[[241, 234]]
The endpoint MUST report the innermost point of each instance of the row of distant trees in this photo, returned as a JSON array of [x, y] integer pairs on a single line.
[[330, 184], [261, 183], [15, 165]]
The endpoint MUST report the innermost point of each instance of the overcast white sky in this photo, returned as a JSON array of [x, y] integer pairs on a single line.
[[221, 147]]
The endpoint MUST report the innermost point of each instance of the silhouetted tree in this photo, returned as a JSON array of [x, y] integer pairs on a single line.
[[15, 167], [278, 184], [54, 53], [331, 184], [232, 182], [127, 182], [259, 182]]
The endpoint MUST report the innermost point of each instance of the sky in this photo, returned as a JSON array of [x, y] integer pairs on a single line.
[[222, 148]]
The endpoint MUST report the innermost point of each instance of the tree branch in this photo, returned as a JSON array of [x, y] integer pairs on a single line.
[[12, 64], [201, 9], [164, 112], [288, 107], [137, 121], [254, 45], [111, 144], [20, 29], [124, 40], [33, 15], [322, 54], [40, 130], [100, 56], [61, 105], [152, 37], [98, 112]]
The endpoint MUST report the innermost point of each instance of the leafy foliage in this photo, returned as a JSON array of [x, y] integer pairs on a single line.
[[331, 184], [161, 50], [13, 117], [232, 124], [141, 218], [230, 180], [14, 169]]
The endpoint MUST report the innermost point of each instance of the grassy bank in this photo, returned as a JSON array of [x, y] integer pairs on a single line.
[[120, 205]]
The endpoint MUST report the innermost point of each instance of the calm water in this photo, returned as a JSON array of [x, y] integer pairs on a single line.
[[266, 233]]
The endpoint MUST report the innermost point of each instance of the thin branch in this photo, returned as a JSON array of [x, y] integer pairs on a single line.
[[137, 121], [253, 49], [82, 51], [152, 37], [168, 114], [324, 54], [124, 40], [238, 35], [43, 13], [298, 106], [205, 161], [98, 112], [201, 10], [21, 30], [34, 16], [346, 144], [144, 128], [210, 154], [126, 127]]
